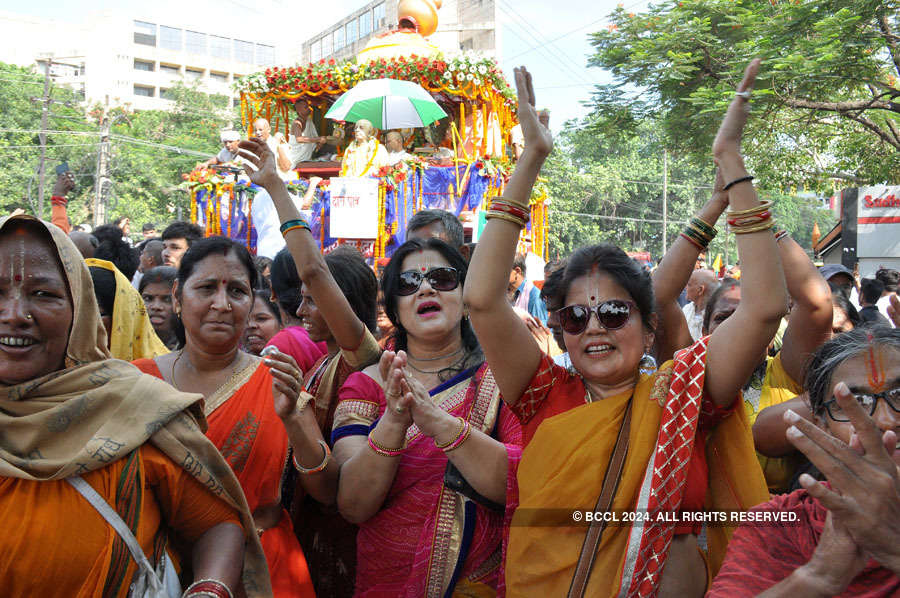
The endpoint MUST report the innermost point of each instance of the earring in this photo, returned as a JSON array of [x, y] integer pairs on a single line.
[[28, 316]]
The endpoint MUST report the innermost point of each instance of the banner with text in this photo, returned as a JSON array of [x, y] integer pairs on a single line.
[[878, 221], [354, 208]]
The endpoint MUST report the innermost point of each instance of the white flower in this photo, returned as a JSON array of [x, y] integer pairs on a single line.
[[469, 76], [448, 75], [476, 81], [451, 67], [482, 69]]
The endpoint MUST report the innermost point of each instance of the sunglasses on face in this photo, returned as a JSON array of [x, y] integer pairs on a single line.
[[440, 279], [868, 401], [612, 315]]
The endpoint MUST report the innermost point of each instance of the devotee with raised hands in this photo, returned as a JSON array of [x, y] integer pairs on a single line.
[[68, 411], [338, 307], [604, 419], [212, 299], [837, 538], [427, 449]]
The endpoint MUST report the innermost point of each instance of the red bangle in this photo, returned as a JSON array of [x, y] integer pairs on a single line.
[[208, 587], [510, 209], [751, 219], [59, 201]]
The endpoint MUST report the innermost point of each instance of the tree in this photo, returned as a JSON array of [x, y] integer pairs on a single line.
[[826, 103], [609, 188]]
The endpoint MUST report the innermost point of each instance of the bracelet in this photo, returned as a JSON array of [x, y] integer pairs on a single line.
[[762, 207], [504, 216], [750, 219], [383, 450], [780, 235], [462, 427], [695, 243], [697, 236], [459, 440], [317, 468], [512, 209], [704, 226], [58, 200], [754, 229], [207, 588], [736, 181], [293, 225]]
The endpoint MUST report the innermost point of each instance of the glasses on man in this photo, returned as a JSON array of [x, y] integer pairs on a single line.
[[868, 401], [441, 279], [612, 315]]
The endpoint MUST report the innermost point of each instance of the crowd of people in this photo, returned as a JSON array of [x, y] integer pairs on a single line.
[[292, 425]]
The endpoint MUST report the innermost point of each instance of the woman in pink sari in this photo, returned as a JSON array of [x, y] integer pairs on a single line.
[[425, 473]]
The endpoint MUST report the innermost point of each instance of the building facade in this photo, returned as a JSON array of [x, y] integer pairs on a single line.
[[119, 60], [462, 25]]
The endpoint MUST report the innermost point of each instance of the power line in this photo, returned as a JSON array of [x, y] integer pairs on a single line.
[[4, 147], [567, 34], [583, 215]]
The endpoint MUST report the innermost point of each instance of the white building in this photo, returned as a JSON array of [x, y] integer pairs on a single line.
[[115, 60], [462, 25]]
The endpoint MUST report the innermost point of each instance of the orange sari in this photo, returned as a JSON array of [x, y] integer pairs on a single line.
[[244, 427]]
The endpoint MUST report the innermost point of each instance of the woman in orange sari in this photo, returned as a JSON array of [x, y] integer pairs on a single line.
[[213, 297]]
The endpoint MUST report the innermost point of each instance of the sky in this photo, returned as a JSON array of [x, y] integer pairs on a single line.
[[551, 42]]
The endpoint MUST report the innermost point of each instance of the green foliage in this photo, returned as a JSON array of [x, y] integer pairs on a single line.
[[609, 188], [826, 100], [145, 175]]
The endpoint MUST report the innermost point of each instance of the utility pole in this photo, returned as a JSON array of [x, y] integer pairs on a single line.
[[665, 201], [45, 115], [101, 178]]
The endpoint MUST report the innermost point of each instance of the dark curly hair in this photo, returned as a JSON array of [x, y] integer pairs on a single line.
[[390, 281], [113, 248]]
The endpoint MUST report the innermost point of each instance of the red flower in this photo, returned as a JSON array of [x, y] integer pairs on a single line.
[[331, 61]]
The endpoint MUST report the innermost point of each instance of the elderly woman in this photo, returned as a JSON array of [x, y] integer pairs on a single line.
[[338, 294], [68, 410], [839, 538], [213, 298], [437, 434], [647, 444]]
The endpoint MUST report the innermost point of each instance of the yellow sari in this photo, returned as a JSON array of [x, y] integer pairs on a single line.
[[563, 466]]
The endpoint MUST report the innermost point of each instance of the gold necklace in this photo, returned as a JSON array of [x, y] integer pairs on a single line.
[[234, 368]]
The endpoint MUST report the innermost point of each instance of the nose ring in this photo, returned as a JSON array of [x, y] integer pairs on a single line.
[[27, 316]]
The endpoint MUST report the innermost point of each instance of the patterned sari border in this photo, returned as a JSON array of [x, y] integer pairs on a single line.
[[218, 398]]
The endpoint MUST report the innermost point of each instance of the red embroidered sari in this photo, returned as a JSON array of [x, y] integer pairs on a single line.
[[248, 433]]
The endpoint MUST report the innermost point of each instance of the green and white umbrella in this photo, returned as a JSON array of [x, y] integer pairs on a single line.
[[387, 104]]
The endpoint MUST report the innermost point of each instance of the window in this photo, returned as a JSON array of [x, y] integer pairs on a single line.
[[193, 73], [166, 94], [219, 47], [219, 77], [315, 51], [365, 24], [265, 55], [243, 51], [378, 14], [169, 38], [194, 42], [326, 46], [140, 90], [143, 65], [170, 69], [144, 33], [351, 32], [338, 39]]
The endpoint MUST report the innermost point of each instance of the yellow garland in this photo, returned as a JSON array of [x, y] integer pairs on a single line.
[[345, 165]]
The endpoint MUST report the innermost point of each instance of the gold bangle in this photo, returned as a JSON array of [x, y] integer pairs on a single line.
[[317, 468], [754, 229], [504, 216], [762, 207], [462, 427]]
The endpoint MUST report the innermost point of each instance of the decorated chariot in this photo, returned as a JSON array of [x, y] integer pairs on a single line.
[[458, 163]]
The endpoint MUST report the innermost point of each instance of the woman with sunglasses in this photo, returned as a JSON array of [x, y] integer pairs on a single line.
[[337, 306], [603, 437], [421, 433], [841, 538]]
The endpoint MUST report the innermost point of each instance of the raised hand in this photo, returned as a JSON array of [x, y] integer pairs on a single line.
[[865, 494], [534, 127], [894, 310], [287, 380], [259, 161], [64, 184], [728, 139]]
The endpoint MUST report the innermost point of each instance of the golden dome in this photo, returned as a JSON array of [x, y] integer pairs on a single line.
[[421, 14]]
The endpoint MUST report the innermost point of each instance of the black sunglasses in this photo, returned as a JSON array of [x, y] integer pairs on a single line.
[[868, 401], [444, 278], [612, 315]]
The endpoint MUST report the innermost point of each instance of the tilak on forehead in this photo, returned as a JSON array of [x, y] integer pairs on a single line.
[[875, 367]]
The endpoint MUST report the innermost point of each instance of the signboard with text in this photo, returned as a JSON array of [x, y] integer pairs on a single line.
[[878, 221], [354, 208]]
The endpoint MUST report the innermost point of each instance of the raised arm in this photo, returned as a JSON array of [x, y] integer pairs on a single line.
[[346, 328], [811, 315], [511, 352], [672, 275], [738, 344]]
